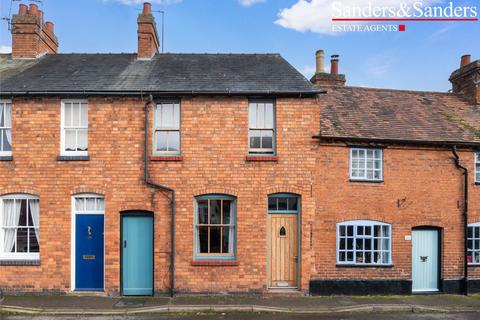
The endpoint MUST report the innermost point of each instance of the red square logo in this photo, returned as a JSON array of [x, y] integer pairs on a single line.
[[401, 28]]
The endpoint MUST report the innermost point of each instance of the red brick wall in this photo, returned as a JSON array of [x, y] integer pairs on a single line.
[[214, 146], [431, 185]]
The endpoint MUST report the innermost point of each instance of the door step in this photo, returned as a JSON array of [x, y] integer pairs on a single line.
[[88, 294], [274, 292]]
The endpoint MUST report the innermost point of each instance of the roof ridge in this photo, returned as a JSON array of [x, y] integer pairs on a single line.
[[398, 90], [172, 53]]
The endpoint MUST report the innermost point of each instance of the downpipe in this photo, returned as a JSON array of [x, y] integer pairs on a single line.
[[159, 187], [465, 217]]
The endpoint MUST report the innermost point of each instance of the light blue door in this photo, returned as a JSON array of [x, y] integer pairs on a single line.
[[137, 255], [425, 260]]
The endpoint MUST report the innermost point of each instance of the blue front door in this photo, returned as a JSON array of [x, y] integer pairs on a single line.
[[89, 252], [137, 255]]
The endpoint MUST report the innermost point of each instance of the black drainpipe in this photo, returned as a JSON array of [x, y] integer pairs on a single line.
[[160, 187], [465, 218]]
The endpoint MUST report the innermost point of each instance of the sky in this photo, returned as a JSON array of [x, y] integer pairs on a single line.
[[421, 58]]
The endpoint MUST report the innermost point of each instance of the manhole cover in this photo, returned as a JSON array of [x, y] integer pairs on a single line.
[[129, 303]]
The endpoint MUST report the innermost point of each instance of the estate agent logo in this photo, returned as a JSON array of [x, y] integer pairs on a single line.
[[374, 17]]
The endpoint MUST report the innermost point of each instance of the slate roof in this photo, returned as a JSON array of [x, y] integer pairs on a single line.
[[356, 114], [263, 74]]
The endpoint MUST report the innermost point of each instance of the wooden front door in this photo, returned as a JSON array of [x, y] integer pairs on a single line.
[[283, 250]]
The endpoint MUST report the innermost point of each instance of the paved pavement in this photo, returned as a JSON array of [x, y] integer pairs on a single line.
[[284, 307], [265, 316]]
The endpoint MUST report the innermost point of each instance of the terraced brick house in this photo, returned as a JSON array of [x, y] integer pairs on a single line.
[[145, 173]]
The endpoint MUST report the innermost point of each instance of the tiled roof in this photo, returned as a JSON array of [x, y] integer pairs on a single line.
[[382, 114], [164, 73]]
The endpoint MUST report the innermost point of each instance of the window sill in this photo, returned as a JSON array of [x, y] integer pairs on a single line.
[[6, 158], [73, 158], [339, 265], [19, 262], [214, 263], [473, 265], [261, 158], [166, 158], [367, 181]]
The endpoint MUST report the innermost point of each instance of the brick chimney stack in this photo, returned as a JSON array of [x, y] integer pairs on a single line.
[[466, 80], [31, 36], [148, 41], [322, 78]]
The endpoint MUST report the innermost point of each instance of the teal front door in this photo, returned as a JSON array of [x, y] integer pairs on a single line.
[[137, 254], [425, 260]]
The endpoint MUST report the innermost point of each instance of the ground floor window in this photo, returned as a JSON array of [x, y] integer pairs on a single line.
[[474, 243], [215, 227], [363, 242], [19, 227]]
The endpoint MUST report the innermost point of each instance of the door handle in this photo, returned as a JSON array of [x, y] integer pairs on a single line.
[[124, 243], [295, 258]]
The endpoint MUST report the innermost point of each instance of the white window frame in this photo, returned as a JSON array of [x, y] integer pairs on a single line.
[[364, 178], [64, 152], [364, 223], [16, 255], [260, 151], [156, 129], [474, 248], [476, 162], [7, 153], [73, 233]]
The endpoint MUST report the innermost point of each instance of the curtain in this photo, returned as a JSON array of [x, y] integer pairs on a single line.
[[231, 234], [197, 229], [35, 214], [8, 123], [11, 218]]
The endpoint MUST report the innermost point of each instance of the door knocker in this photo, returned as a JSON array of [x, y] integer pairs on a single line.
[[424, 258], [89, 232]]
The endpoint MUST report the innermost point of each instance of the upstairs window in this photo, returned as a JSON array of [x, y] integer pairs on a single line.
[[5, 128], [364, 243], [167, 129], [366, 164], [473, 243], [74, 133], [261, 125], [19, 227], [477, 167], [215, 220]]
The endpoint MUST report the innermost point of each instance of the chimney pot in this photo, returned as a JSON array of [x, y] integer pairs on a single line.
[[22, 9], [40, 16], [147, 8], [33, 9], [50, 27], [334, 64], [320, 56], [466, 59]]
